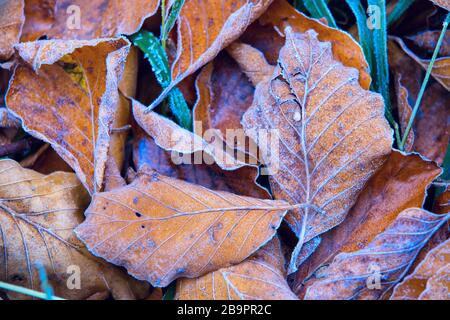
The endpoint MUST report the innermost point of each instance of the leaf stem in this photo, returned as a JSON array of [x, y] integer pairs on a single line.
[[425, 81], [26, 291]]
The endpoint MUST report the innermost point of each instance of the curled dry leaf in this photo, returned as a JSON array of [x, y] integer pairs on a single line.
[[12, 19], [371, 272], [377, 207], [66, 93], [205, 28], [241, 181], [435, 264], [161, 228], [438, 286], [171, 137], [430, 127], [85, 19], [441, 67], [37, 216], [266, 35], [260, 277], [332, 134]]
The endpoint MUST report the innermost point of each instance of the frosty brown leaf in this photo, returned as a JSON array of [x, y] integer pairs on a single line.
[[37, 216], [260, 277], [161, 228], [331, 142]]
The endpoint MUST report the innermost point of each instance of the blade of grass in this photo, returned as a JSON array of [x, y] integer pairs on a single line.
[[298, 4], [45, 286], [167, 24], [425, 81], [155, 54], [365, 38], [26, 291], [319, 9], [398, 11]]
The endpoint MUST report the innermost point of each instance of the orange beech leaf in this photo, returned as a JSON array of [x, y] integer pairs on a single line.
[[260, 277], [66, 93], [11, 22], [37, 216], [430, 127], [428, 40], [85, 19], [369, 273], [425, 276], [441, 67], [438, 286], [204, 29], [266, 35], [332, 134], [171, 137], [377, 206], [161, 228], [241, 181]]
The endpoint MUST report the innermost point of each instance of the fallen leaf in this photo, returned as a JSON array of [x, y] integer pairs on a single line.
[[333, 134], [441, 67], [85, 19], [438, 286], [161, 228], [414, 285], [267, 36], [241, 181], [377, 207], [371, 272], [171, 137], [260, 277], [37, 216], [204, 29], [12, 19], [75, 115]]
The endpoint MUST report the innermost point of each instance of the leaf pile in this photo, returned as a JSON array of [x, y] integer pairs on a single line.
[[118, 174]]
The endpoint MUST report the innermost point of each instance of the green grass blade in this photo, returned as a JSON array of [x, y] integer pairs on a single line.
[[171, 19], [399, 9], [156, 55], [45, 286], [319, 9], [365, 38], [26, 291], [425, 81], [298, 4]]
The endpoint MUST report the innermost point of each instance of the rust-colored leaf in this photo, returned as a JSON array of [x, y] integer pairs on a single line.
[[205, 28], [332, 133], [66, 93], [426, 276], [265, 35], [37, 216], [11, 22], [371, 272], [378, 205], [161, 228], [442, 3], [260, 277], [85, 19]]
